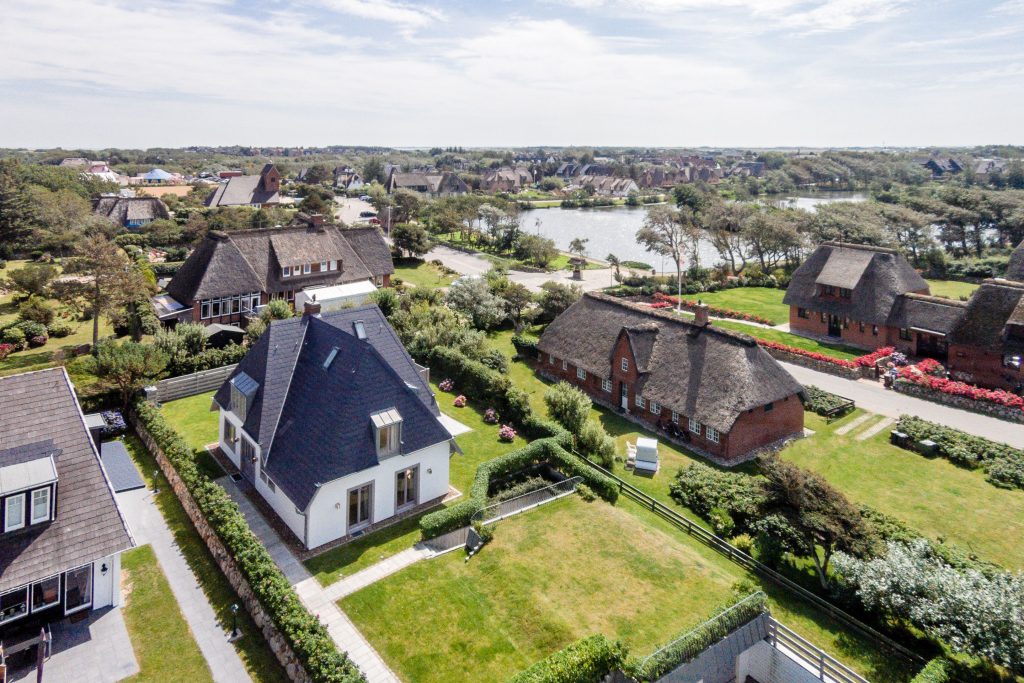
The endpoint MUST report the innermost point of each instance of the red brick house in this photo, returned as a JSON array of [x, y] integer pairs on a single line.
[[722, 391], [986, 346], [230, 274]]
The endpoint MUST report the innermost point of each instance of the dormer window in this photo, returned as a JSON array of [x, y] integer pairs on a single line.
[[243, 391], [286, 271], [307, 268], [14, 513], [332, 265], [387, 426], [41, 505]]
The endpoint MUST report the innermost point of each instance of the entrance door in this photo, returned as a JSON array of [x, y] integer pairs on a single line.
[[360, 506], [624, 396], [835, 326], [246, 459]]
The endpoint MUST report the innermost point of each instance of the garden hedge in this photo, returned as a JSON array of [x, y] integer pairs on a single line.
[[587, 660], [1003, 465], [935, 671], [822, 402], [306, 636], [690, 644]]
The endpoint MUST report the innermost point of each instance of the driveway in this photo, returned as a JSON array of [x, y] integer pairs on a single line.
[[348, 209], [474, 264]]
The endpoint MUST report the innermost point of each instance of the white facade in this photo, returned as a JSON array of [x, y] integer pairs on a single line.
[[327, 517]]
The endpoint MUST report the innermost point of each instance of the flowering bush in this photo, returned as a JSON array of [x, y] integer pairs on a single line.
[[923, 374], [899, 359], [6, 350], [38, 340], [460, 401], [506, 433], [660, 304], [491, 416], [113, 423], [870, 359], [715, 311], [807, 354], [446, 385]]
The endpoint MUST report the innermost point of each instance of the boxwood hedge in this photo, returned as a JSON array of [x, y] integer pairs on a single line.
[[935, 671], [587, 660], [307, 637]]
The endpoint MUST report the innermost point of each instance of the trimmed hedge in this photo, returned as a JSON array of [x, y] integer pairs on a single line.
[[822, 402], [1003, 465], [690, 644], [549, 450], [935, 671], [307, 637], [587, 660]]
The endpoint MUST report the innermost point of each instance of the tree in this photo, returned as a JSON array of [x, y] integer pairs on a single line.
[[555, 298], [115, 280], [691, 197], [16, 212], [386, 300], [406, 205], [31, 280], [616, 264], [540, 251], [665, 232], [517, 299], [578, 246], [820, 515], [277, 309], [314, 203], [128, 366], [411, 238], [473, 297], [373, 170], [59, 217], [317, 174], [568, 406]]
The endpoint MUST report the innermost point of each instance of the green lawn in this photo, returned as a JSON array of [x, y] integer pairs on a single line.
[[761, 301], [952, 289], [421, 274], [834, 350], [199, 426], [254, 651], [933, 496], [164, 646]]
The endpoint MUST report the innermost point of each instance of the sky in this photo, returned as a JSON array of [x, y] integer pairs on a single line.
[[740, 73]]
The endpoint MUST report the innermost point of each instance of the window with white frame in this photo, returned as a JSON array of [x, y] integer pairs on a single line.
[[388, 424], [46, 593], [332, 265], [13, 604], [655, 408], [639, 401], [565, 365], [246, 450], [14, 512], [267, 480], [624, 364], [694, 426], [675, 417], [581, 373], [712, 434], [77, 589], [551, 359], [204, 310], [307, 268], [230, 434], [323, 266], [606, 386], [286, 271], [40, 505]]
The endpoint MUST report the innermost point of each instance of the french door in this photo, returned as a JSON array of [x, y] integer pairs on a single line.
[[406, 484], [77, 589], [360, 507]]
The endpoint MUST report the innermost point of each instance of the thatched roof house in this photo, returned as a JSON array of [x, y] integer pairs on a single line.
[[1015, 268], [130, 212]]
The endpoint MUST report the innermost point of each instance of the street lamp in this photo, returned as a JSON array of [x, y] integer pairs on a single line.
[[235, 633]]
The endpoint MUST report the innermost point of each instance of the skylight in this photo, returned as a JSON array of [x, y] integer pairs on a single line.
[[330, 358], [360, 329]]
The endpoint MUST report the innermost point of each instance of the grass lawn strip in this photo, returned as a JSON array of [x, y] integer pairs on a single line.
[[164, 646], [765, 302], [422, 274]]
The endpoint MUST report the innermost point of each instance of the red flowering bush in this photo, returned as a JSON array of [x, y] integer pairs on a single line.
[[807, 354], [6, 350], [460, 401], [922, 375], [715, 311], [506, 433], [491, 416], [870, 359], [446, 385], [38, 340], [660, 304]]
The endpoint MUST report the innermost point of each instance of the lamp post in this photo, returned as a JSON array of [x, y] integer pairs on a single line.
[[235, 633]]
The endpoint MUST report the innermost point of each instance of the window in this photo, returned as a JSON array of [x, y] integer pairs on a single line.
[[802, 313], [625, 364], [41, 505], [862, 327], [286, 271], [406, 488], [551, 359], [769, 407], [904, 334], [675, 417], [581, 374], [205, 310], [14, 604], [388, 424], [247, 451], [565, 365], [606, 386], [655, 408], [46, 593], [267, 480], [712, 434], [639, 401], [307, 268], [230, 434], [1012, 362], [78, 589], [874, 330], [823, 318], [694, 426], [332, 265], [14, 512], [359, 507], [323, 266]]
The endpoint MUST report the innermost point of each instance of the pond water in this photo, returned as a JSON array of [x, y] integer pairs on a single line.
[[612, 230]]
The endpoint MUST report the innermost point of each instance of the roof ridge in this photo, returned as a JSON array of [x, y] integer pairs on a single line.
[[861, 247], [936, 299], [287, 390], [1002, 282], [732, 335]]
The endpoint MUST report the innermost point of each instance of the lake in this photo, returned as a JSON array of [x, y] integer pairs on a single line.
[[612, 230]]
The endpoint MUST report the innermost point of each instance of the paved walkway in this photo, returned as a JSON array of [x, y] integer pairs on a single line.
[[374, 573], [148, 526], [874, 397], [474, 264], [311, 593]]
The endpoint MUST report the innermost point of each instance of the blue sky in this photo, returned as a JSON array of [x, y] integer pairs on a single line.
[[136, 73]]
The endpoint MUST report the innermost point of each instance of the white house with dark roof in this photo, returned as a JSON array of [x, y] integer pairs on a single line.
[[61, 532], [330, 420]]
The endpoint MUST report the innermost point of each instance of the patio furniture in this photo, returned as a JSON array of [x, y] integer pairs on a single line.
[[646, 454]]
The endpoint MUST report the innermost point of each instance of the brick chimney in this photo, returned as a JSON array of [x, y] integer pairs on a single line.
[[311, 309], [316, 220], [700, 314]]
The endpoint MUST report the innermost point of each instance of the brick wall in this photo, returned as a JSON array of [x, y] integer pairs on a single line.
[[813, 326], [757, 428], [984, 368]]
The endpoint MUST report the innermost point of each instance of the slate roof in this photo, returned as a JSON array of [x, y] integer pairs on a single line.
[[928, 313], [876, 276], [121, 210], [313, 424], [225, 264], [1015, 268], [41, 406], [708, 373], [243, 190], [993, 306]]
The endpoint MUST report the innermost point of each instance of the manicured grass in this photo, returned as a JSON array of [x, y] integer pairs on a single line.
[[761, 301], [199, 426], [164, 646], [365, 551], [560, 572], [933, 496], [254, 651], [421, 274], [951, 289], [833, 350]]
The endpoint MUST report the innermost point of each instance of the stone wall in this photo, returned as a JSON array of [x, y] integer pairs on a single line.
[[819, 365], [962, 402], [278, 644]]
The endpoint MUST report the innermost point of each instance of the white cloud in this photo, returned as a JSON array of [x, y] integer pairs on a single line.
[[388, 11], [840, 15]]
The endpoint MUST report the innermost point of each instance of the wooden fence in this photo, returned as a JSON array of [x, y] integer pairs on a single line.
[[190, 385]]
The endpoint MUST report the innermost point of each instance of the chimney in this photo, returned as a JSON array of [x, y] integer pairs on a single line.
[[311, 309], [700, 314], [316, 220]]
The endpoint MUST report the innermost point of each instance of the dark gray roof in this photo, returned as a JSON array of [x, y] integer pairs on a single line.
[[40, 406], [709, 373], [119, 467], [993, 306], [225, 264], [121, 210], [928, 313], [330, 407], [242, 190], [876, 276], [1015, 268]]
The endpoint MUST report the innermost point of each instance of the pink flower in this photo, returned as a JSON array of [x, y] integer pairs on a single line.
[[506, 433], [460, 401]]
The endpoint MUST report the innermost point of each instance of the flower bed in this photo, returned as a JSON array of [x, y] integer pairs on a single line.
[[690, 305], [869, 360], [929, 377]]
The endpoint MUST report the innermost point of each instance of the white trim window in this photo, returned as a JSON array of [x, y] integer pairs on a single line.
[[204, 309], [41, 505], [639, 401], [712, 434], [13, 604], [624, 364], [581, 374], [78, 589], [14, 513], [323, 266], [551, 359], [332, 265], [655, 408], [46, 593], [307, 268], [675, 417], [286, 271], [694, 426], [565, 365], [606, 386], [267, 480]]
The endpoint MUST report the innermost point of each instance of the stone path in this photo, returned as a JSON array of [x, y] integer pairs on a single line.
[[148, 526], [849, 427], [312, 594], [374, 573], [879, 426]]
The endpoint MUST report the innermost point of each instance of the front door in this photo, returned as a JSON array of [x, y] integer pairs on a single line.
[[835, 326], [247, 459], [624, 396]]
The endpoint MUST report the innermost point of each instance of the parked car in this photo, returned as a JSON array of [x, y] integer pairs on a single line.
[[367, 214], [374, 221], [364, 197]]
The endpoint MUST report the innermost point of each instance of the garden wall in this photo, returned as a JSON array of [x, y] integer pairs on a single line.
[[962, 402], [264, 622], [819, 365]]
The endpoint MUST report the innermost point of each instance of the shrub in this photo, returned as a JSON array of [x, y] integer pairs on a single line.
[[524, 346], [528, 485], [595, 443], [491, 416], [484, 532], [743, 543], [38, 340], [460, 401], [568, 406], [823, 403], [587, 660], [935, 671], [506, 434], [6, 350], [721, 522], [31, 328], [585, 492], [870, 359], [703, 489], [36, 309], [495, 360], [304, 633], [922, 374], [446, 385], [60, 328], [14, 337], [807, 354]]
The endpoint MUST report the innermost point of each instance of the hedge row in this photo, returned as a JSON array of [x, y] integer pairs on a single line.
[[822, 402], [549, 450], [307, 637], [935, 671], [587, 660], [689, 645], [1003, 465]]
